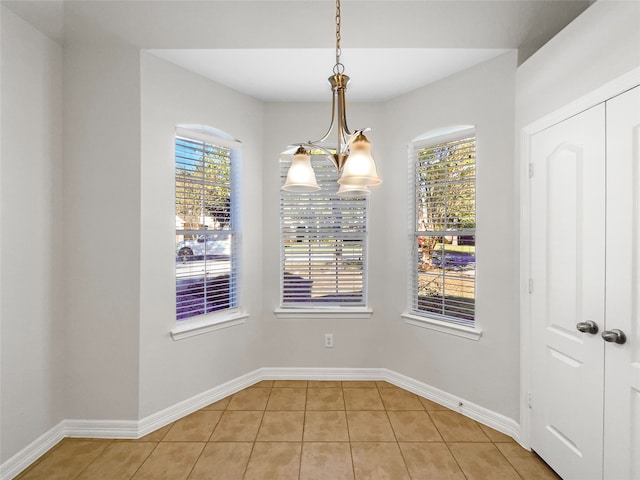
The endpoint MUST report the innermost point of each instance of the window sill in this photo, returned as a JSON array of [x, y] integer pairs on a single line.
[[471, 333], [191, 328], [329, 312]]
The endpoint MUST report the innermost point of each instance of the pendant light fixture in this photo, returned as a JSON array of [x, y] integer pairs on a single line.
[[352, 157]]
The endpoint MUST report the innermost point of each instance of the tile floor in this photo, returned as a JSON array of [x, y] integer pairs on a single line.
[[303, 430]]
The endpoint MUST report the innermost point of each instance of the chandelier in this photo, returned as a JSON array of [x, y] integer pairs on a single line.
[[352, 157]]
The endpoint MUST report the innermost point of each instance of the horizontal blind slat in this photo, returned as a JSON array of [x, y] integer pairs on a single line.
[[206, 243], [323, 243], [443, 262]]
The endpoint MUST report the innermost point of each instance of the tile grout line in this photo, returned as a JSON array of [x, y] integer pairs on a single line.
[[196, 462], [156, 447], [204, 446], [394, 404], [147, 457], [304, 422], [395, 435], [344, 402], [508, 461], [94, 460], [255, 439], [455, 460], [447, 446]]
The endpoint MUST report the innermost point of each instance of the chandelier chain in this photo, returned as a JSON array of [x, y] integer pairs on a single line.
[[339, 67], [352, 155]]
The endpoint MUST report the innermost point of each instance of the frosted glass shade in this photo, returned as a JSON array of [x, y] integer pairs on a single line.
[[352, 190], [301, 177], [360, 169]]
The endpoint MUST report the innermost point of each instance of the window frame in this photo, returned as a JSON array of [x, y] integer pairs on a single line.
[[414, 315], [232, 315], [357, 235]]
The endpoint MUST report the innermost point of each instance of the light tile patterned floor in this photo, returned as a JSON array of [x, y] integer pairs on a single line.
[[281, 430]]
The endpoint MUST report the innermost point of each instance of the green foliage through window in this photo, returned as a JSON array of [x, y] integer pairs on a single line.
[[445, 223]]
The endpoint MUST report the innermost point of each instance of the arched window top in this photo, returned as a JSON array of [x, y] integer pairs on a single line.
[[208, 134], [291, 150], [444, 134]]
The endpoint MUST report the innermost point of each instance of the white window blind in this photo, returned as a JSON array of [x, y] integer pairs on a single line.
[[442, 282], [206, 226], [323, 243]]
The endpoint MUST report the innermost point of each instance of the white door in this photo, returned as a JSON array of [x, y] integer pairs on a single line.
[[568, 274], [622, 361]]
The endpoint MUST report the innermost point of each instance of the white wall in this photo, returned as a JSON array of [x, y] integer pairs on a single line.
[[602, 44], [300, 342], [102, 226], [597, 48], [172, 96], [484, 372], [119, 112], [32, 349]]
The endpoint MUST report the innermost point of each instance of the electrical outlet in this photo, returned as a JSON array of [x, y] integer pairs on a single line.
[[328, 340]]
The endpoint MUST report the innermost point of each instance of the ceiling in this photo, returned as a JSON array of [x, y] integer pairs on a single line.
[[377, 75], [282, 50]]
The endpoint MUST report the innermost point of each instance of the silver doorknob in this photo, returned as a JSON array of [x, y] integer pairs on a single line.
[[614, 336], [587, 327]]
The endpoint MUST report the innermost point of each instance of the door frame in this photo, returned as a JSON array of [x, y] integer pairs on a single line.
[[602, 94]]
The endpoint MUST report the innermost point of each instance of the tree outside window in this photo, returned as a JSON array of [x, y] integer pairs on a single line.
[[445, 222]]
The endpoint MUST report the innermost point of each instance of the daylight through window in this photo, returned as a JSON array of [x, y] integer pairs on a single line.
[[206, 230], [444, 240], [322, 244]]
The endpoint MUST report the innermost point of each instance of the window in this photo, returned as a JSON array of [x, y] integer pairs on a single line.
[[442, 284], [322, 243], [206, 223]]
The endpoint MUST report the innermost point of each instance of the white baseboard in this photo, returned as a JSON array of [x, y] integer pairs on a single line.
[[25, 457], [483, 415], [285, 373], [136, 429], [101, 428], [190, 405], [469, 409], [121, 428]]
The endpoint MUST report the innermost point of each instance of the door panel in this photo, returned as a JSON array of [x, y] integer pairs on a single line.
[[567, 271], [622, 362], [563, 228]]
